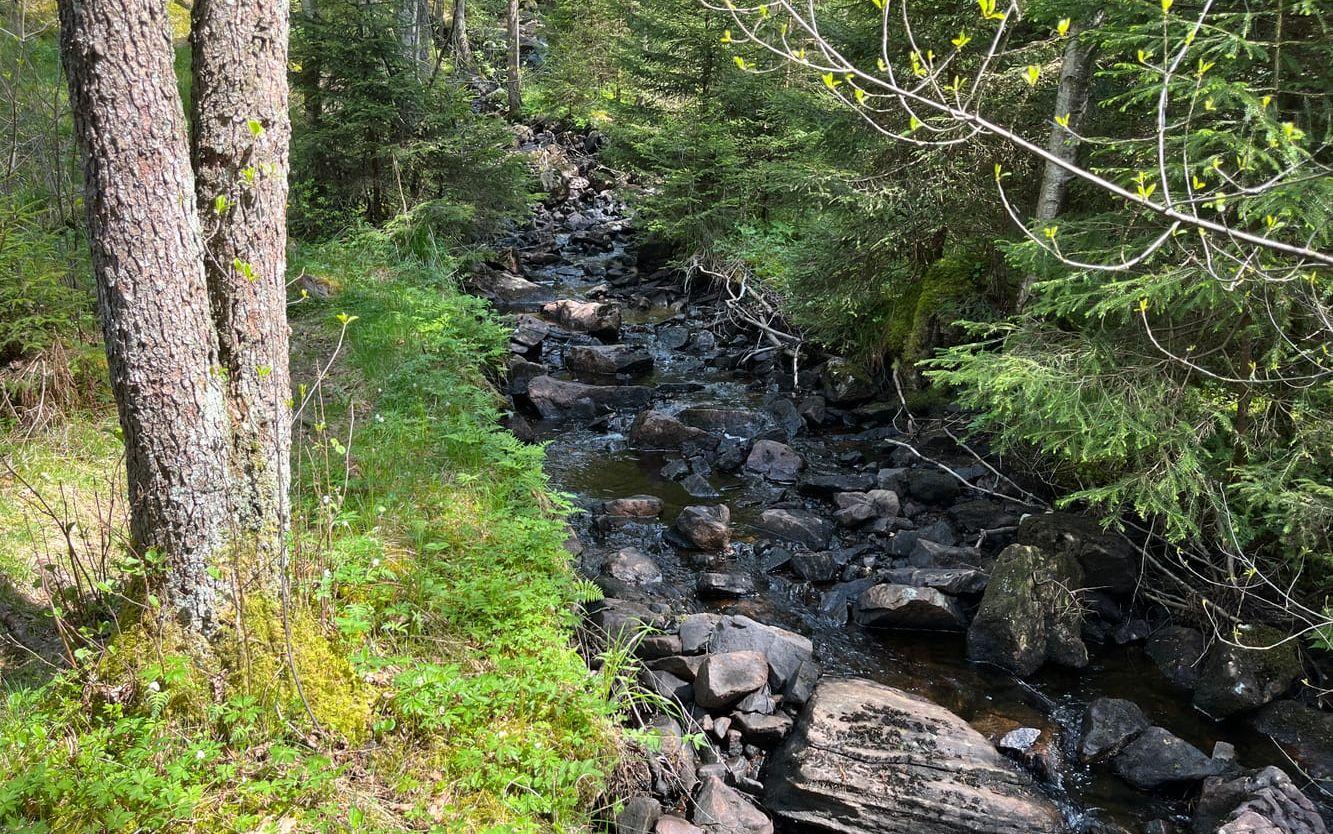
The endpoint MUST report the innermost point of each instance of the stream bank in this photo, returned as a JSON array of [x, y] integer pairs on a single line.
[[808, 583]]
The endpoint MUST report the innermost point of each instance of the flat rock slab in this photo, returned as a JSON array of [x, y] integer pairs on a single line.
[[869, 759]]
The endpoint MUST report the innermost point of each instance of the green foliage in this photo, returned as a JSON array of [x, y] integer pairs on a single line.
[[44, 301]]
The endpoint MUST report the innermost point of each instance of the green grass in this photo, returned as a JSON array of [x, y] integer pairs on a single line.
[[434, 605]]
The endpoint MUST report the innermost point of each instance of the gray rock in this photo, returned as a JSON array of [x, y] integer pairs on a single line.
[[635, 506], [907, 607], [798, 526], [668, 685], [1156, 757], [1258, 802], [655, 646], [775, 461], [556, 398], [719, 809], [729, 585], [727, 677], [818, 566], [1177, 651], [696, 631], [617, 619], [931, 554], [632, 566], [764, 730], [607, 360], [813, 409], [868, 758], [601, 320], [1108, 560], [735, 422], [685, 667], [639, 816], [1029, 613], [826, 485], [846, 384], [981, 514], [931, 485], [1108, 725], [952, 581], [1306, 734], [1233, 680], [699, 487], [706, 527], [661, 432], [784, 650]]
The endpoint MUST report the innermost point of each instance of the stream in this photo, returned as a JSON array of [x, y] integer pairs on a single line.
[[680, 355]]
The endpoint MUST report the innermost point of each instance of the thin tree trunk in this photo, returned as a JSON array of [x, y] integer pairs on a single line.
[[462, 46], [152, 294], [513, 82], [240, 139], [1071, 102]]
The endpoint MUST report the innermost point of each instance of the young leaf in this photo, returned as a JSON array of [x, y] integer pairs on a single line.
[[1031, 74]]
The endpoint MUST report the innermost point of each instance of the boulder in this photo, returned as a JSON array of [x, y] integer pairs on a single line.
[[662, 432], [1177, 651], [593, 318], [815, 566], [1156, 757], [529, 334], [907, 607], [1259, 802], [607, 360], [706, 527], [556, 398], [931, 485], [736, 422], [1108, 725], [1305, 733], [981, 514], [676, 825], [1109, 560], [719, 809], [857, 508], [1029, 613], [724, 585], [668, 686], [868, 758], [633, 567], [635, 506], [784, 650], [828, 484], [775, 461], [798, 526], [1233, 679], [639, 816], [927, 553], [952, 581], [726, 677], [846, 384]]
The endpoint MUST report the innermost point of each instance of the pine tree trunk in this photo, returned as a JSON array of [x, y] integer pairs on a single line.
[[414, 35], [513, 82], [240, 137], [462, 47], [1071, 100], [152, 293]]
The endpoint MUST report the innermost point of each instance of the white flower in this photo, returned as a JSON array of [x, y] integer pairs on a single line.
[[155, 686]]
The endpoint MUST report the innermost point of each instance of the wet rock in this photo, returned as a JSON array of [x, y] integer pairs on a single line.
[[784, 414], [784, 650], [906, 607], [775, 461], [981, 514], [635, 506], [528, 336], [706, 527], [927, 553], [593, 318], [1259, 802], [1108, 725], [1234, 679], [522, 372], [719, 809], [1305, 733], [672, 337], [633, 567], [868, 758], [931, 485], [776, 558], [952, 581], [555, 398], [657, 431], [735, 422], [1034, 749], [505, 287], [815, 566], [607, 360], [698, 487], [813, 409], [726, 677], [639, 816], [1108, 560], [731, 585], [798, 526], [828, 484], [1156, 757], [941, 532], [1178, 651], [857, 508], [846, 384], [1029, 613], [674, 469]]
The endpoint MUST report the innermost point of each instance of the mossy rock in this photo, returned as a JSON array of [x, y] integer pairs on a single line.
[[1233, 679]]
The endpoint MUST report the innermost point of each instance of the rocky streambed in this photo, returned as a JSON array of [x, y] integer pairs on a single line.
[[856, 629]]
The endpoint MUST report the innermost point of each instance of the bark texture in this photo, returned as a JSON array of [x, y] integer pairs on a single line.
[[461, 45], [414, 35], [152, 294], [1071, 99], [513, 84], [240, 140]]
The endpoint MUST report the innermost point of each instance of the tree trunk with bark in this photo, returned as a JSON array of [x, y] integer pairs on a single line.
[[414, 35], [1071, 102], [152, 292], [461, 45], [240, 137], [513, 82]]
